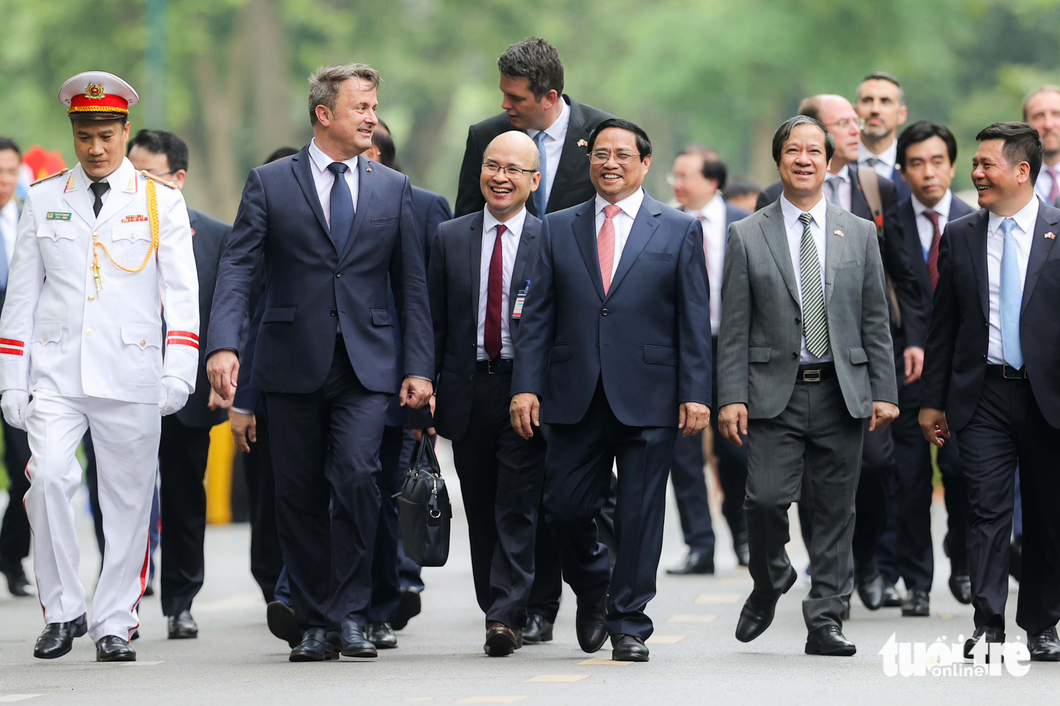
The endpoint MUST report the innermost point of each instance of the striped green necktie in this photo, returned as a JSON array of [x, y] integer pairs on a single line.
[[814, 321]]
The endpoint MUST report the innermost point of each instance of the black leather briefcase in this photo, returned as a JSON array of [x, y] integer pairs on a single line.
[[424, 507]]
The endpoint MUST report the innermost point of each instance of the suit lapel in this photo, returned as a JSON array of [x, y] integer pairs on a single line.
[[1040, 249], [571, 157], [834, 245], [304, 176], [977, 245], [475, 260], [365, 189], [584, 227], [644, 227], [776, 237]]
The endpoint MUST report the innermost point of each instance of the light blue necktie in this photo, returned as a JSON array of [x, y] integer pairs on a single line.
[[540, 199], [1011, 298]]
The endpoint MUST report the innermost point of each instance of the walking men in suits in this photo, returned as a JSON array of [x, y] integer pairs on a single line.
[[697, 178], [185, 442], [103, 257], [481, 271], [927, 156], [804, 358], [880, 103], [1041, 109], [534, 102], [991, 378], [330, 229], [613, 354], [14, 531]]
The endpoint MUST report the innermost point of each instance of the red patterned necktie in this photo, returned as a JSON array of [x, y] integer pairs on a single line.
[[605, 245], [933, 251], [494, 297]]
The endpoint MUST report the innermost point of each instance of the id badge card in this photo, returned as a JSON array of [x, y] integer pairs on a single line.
[[520, 299]]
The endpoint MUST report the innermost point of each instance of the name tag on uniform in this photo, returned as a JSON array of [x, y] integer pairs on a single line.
[[58, 216], [520, 299]]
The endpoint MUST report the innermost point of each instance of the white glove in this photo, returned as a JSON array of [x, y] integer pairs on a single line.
[[14, 403], [174, 395]]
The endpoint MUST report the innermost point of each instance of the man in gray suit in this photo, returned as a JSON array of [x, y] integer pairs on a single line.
[[804, 352]]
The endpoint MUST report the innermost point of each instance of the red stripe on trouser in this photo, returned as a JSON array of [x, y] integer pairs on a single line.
[[143, 587]]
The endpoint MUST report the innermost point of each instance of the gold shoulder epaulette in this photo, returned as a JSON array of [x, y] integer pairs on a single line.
[[64, 170], [159, 179]]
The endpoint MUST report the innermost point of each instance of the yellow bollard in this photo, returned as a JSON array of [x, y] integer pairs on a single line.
[[219, 475]]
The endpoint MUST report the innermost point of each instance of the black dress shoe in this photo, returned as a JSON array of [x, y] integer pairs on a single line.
[[829, 641], [740, 546], [694, 563], [182, 626], [353, 641], [961, 587], [589, 623], [314, 647], [408, 607], [627, 648], [111, 648], [1044, 647], [501, 640], [870, 588], [58, 638], [282, 623], [982, 634], [891, 597], [17, 583], [916, 604], [381, 635], [758, 610], [537, 629]]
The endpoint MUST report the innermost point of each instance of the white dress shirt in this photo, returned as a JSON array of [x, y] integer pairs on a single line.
[[793, 226], [323, 179], [712, 216], [509, 249], [885, 161], [995, 248], [623, 221], [1044, 184], [843, 178], [557, 133], [924, 227], [9, 228]]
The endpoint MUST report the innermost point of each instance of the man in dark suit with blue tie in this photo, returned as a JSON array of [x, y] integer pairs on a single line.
[[927, 156], [697, 178], [614, 355], [330, 229], [991, 377]]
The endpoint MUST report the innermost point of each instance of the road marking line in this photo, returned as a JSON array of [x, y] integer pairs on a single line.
[[600, 662], [140, 664], [12, 698], [691, 618], [718, 598], [555, 678], [492, 699], [664, 639]]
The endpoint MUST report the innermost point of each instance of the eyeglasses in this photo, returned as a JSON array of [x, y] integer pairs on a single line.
[[846, 123], [673, 179], [601, 157], [493, 169]]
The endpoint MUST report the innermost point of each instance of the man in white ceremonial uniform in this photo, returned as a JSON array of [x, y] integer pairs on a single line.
[[103, 252]]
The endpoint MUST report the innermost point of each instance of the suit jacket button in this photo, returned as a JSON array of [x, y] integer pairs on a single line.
[[798, 320], [338, 274], [333, 313], [795, 356], [604, 312], [471, 377]]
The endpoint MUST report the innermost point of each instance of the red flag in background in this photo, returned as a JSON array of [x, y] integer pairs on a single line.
[[43, 163]]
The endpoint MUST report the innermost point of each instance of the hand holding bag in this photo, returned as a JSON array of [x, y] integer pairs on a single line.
[[424, 508]]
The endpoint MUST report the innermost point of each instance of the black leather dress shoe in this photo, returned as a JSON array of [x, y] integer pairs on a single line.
[[961, 588], [381, 635], [829, 641], [694, 563], [870, 588], [1044, 647], [408, 607], [627, 648], [182, 626], [58, 638], [589, 623], [916, 604], [537, 629], [982, 634], [17, 583], [282, 623], [314, 647], [111, 648], [353, 641], [501, 640], [758, 610], [891, 597], [740, 546]]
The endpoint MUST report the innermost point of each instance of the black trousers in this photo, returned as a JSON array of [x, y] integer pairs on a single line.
[[266, 560], [580, 457], [1008, 430], [501, 477], [14, 530], [182, 454], [874, 491], [325, 453], [394, 457]]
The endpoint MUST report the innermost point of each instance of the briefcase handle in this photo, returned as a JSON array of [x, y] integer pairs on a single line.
[[425, 447]]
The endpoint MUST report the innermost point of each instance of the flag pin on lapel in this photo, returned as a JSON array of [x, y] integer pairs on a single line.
[[1051, 235], [583, 143], [839, 233]]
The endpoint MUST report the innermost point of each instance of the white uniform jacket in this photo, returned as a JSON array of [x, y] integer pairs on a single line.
[[59, 333]]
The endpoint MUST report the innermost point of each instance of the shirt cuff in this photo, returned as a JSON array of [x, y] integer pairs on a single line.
[[240, 410]]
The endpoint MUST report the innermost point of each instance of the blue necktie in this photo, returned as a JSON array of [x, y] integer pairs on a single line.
[[341, 207], [540, 198], [1011, 298]]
